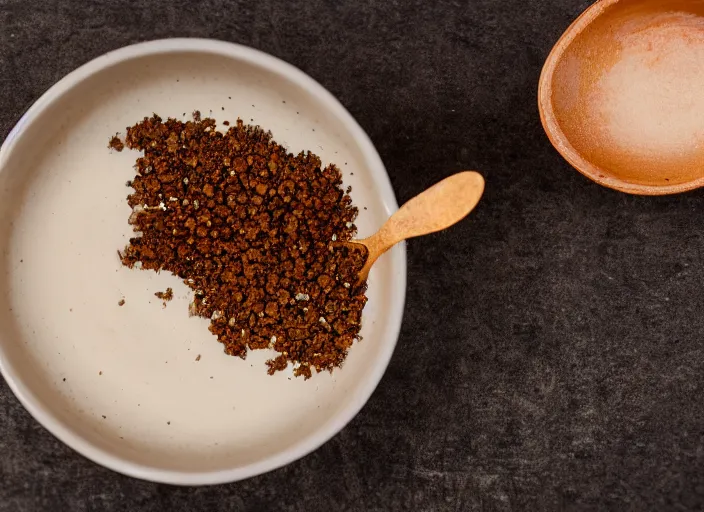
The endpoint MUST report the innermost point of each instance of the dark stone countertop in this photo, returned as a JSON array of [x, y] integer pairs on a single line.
[[552, 354]]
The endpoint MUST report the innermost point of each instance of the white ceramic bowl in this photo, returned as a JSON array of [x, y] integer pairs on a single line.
[[121, 385]]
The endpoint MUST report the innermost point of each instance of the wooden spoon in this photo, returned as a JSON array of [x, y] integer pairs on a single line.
[[439, 207]]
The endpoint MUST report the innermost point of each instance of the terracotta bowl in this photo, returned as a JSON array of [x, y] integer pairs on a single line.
[[621, 95]]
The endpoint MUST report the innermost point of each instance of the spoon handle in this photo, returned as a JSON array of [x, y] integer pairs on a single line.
[[439, 207]]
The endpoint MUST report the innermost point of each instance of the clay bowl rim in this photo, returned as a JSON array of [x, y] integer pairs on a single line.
[[558, 138]]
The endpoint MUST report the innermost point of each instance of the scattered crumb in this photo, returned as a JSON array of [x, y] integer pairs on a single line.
[[198, 358], [105, 417], [168, 423], [196, 116], [226, 123], [121, 303], [100, 372], [116, 144], [64, 379], [165, 296]]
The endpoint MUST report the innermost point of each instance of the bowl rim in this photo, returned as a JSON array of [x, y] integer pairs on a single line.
[[398, 254], [558, 138]]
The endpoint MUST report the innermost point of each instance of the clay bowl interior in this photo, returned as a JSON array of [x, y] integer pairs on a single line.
[[122, 384], [621, 95]]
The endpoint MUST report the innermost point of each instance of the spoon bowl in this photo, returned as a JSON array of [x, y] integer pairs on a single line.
[[620, 95]]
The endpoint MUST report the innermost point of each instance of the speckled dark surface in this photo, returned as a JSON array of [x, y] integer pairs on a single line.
[[552, 350]]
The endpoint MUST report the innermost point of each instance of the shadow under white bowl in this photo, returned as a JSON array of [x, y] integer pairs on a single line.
[[121, 385]]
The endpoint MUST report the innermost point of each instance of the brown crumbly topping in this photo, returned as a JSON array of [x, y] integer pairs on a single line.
[[116, 144], [121, 303], [251, 230]]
